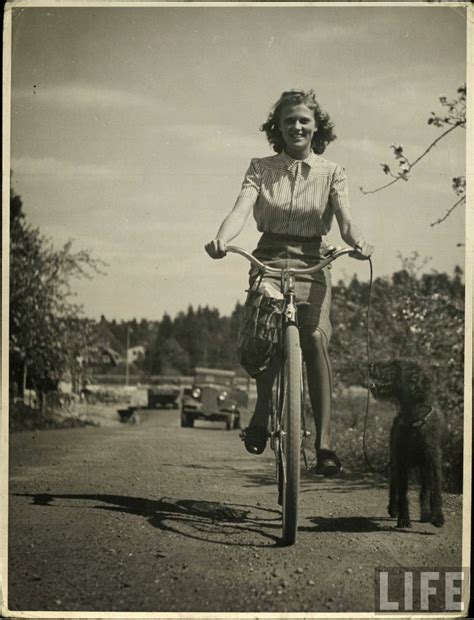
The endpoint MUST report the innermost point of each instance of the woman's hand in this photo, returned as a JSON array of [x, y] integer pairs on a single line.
[[363, 250], [216, 248]]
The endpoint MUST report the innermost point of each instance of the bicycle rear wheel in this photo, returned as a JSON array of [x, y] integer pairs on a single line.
[[290, 437]]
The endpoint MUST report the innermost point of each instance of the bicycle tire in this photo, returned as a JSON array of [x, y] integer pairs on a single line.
[[290, 444]]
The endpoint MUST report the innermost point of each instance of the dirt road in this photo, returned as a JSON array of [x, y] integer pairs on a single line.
[[152, 517]]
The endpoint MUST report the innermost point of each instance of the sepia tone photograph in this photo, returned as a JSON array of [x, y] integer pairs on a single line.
[[237, 306]]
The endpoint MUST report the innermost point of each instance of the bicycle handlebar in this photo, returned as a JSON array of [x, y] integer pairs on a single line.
[[278, 270]]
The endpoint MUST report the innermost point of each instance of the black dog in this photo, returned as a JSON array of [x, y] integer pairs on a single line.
[[415, 438]]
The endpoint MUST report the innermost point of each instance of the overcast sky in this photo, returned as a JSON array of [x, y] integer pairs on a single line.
[[132, 129]]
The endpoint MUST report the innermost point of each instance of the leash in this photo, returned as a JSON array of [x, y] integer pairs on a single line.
[[373, 469]]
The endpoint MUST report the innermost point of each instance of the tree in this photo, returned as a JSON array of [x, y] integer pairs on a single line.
[[197, 337], [453, 117], [47, 329]]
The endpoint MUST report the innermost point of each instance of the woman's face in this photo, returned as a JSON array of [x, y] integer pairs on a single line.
[[297, 125]]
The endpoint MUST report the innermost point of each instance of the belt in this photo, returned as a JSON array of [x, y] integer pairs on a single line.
[[292, 238]]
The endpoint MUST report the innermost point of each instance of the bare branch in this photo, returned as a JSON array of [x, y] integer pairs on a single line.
[[457, 124], [403, 176], [448, 213], [378, 189]]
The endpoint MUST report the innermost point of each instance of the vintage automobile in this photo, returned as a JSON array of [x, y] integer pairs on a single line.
[[214, 396], [164, 395]]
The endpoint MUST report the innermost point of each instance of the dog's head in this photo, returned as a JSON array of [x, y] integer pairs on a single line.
[[404, 381]]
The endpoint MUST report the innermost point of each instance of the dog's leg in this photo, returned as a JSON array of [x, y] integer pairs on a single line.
[[437, 517], [425, 493], [393, 494], [403, 510]]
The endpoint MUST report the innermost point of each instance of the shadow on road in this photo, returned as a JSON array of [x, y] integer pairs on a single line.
[[347, 483], [212, 522], [356, 525], [345, 524], [265, 476], [254, 477]]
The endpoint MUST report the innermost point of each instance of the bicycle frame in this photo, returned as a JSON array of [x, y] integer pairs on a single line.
[[288, 428]]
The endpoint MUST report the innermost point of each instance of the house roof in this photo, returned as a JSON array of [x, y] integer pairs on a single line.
[[105, 338]]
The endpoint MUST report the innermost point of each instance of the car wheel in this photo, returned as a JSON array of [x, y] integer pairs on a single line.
[[237, 425], [187, 420]]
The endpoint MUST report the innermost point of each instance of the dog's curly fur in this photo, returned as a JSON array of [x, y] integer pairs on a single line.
[[415, 438]]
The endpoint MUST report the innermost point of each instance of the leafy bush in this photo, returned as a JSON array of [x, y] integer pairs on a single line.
[[413, 316], [24, 418], [347, 429]]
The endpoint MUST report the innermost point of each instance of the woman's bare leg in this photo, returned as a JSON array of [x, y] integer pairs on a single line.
[[264, 382], [315, 352]]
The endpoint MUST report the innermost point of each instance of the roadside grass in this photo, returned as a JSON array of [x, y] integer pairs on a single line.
[[76, 415], [347, 430]]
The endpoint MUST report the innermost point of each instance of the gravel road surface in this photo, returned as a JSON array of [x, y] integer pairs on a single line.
[[153, 517]]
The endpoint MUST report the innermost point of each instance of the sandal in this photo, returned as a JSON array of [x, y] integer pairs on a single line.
[[327, 464], [255, 439]]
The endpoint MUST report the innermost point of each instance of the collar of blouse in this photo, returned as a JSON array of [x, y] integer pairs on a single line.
[[290, 163]]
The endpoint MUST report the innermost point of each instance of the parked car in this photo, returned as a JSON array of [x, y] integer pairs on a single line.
[[164, 395], [213, 397]]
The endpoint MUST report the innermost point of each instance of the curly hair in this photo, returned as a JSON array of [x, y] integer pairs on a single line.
[[322, 137], [402, 379]]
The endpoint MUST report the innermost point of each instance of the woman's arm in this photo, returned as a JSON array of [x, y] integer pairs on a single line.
[[230, 227], [339, 199], [351, 234]]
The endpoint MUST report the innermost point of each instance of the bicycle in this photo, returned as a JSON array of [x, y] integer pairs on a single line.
[[287, 422]]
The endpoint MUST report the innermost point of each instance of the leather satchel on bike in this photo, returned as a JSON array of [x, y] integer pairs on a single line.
[[259, 335]]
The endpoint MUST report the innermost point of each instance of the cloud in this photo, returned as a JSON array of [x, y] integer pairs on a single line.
[[77, 95], [328, 33], [366, 146], [212, 138], [50, 166]]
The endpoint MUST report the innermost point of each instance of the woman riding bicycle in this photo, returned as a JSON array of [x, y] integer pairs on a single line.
[[294, 196]]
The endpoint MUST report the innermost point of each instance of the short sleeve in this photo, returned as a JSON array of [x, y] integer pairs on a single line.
[[338, 193], [252, 180]]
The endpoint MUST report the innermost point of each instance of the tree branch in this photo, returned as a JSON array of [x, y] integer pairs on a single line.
[[457, 124], [448, 213], [378, 189], [412, 165]]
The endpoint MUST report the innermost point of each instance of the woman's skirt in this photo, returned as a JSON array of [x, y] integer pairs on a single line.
[[312, 292]]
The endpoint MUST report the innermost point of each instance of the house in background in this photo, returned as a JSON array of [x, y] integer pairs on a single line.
[[104, 352], [135, 353]]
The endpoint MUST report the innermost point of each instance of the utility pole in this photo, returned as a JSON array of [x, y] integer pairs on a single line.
[[126, 356]]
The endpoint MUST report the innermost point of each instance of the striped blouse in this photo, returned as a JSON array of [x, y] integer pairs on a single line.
[[293, 197]]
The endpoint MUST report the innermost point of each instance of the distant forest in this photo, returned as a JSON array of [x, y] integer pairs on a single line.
[[197, 337]]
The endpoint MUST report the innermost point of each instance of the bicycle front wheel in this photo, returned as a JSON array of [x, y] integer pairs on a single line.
[[290, 438]]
